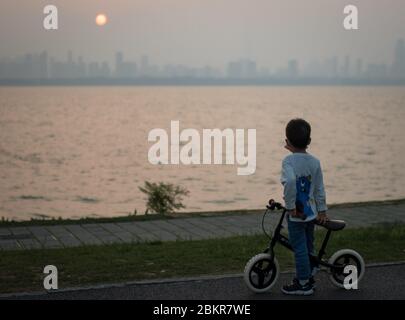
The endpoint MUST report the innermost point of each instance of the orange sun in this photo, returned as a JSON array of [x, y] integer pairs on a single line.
[[101, 19]]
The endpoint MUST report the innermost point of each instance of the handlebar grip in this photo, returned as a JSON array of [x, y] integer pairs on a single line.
[[274, 205], [270, 206]]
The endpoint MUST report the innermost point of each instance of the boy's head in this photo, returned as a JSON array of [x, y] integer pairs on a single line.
[[298, 133]]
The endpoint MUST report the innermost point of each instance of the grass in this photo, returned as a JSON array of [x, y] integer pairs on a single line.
[[22, 270], [46, 221]]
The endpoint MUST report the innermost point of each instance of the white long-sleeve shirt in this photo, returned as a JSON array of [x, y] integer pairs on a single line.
[[301, 176]]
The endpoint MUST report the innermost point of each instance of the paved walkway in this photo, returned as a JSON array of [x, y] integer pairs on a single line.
[[384, 282], [197, 228]]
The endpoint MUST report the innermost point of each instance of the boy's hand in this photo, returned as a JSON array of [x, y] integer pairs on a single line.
[[322, 217], [295, 214], [292, 212]]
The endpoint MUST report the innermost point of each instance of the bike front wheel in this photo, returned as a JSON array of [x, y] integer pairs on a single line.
[[261, 273]]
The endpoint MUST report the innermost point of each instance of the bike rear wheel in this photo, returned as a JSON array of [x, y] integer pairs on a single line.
[[344, 258]]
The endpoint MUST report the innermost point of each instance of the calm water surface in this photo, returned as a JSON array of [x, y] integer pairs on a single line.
[[82, 151]]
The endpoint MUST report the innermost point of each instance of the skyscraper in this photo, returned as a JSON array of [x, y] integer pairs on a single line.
[[144, 66], [398, 67], [359, 68], [292, 71], [243, 68], [119, 61], [43, 65], [346, 67], [124, 69]]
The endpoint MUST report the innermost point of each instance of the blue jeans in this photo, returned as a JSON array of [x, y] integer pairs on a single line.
[[301, 236]]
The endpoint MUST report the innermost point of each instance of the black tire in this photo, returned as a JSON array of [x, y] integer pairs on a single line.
[[345, 258], [261, 273]]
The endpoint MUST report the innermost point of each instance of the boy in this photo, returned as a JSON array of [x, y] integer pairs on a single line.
[[304, 197]]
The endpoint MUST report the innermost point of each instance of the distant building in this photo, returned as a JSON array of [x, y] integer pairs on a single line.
[[313, 69], [209, 72], [94, 70], [144, 66], [81, 68], [38, 66], [331, 68], [398, 67], [242, 69], [29, 66], [292, 71], [359, 68], [234, 70], [124, 69], [376, 71], [345, 72], [69, 69], [97, 70], [43, 65], [264, 72]]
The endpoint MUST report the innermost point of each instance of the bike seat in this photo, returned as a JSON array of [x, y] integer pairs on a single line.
[[334, 225]]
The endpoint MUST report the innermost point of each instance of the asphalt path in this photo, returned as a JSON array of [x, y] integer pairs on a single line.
[[379, 282]]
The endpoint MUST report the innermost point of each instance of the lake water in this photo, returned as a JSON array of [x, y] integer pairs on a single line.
[[82, 151]]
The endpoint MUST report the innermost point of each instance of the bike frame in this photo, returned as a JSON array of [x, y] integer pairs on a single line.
[[283, 240]]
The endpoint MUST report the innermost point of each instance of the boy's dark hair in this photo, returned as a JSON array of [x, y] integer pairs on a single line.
[[298, 133]]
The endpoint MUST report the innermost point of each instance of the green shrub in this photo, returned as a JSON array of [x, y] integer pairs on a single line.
[[163, 198]]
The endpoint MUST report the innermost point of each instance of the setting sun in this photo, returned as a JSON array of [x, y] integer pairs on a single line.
[[101, 19]]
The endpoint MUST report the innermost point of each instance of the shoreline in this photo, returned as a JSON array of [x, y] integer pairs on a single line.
[[142, 217]]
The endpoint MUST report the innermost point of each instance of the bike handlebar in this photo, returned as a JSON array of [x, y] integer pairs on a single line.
[[274, 205]]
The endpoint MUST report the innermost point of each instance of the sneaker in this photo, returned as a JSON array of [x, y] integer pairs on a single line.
[[295, 288]]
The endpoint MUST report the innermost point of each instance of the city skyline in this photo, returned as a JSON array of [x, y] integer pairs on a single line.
[[40, 66], [197, 33]]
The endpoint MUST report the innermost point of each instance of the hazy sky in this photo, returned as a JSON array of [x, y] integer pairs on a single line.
[[199, 32]]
